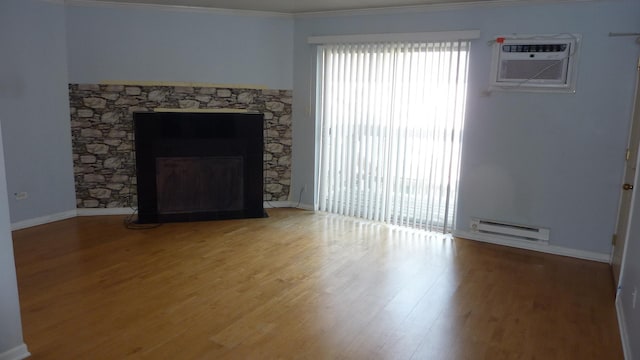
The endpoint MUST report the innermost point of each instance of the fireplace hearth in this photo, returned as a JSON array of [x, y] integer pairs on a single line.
[[198, 166]]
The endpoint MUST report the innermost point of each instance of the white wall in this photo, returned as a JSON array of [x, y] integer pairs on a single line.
[[154, 44], [11, 342], [552, 160], [35, 143], [34, 108]]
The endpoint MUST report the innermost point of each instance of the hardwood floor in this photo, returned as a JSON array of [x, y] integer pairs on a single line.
[[302, 285]]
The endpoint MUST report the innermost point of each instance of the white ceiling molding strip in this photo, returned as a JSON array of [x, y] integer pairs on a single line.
[[438, 6], [182, 8], [434, 5], [376, 38]]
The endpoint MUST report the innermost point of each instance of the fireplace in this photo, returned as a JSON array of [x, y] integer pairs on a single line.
[[198, 166]]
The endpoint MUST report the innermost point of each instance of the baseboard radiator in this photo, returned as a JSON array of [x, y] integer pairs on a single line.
[[514, 231]]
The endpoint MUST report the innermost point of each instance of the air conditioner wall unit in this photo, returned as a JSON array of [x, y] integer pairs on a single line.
[[535, 62]]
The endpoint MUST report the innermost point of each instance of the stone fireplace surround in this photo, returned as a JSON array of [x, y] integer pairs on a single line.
[[102, 134]]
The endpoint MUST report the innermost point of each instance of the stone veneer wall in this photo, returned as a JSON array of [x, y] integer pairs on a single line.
[[102, 135]]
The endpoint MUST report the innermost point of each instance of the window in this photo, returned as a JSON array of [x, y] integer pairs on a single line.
[[391, 117]]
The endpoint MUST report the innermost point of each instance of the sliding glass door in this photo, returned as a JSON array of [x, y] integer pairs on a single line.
[[391, 117]]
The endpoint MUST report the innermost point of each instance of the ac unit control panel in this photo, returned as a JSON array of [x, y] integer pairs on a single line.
[[535, 48]]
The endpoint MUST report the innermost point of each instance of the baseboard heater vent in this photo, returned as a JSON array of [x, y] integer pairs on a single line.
[[522, 232]]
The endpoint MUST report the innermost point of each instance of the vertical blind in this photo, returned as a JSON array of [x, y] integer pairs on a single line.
[[391, 117]]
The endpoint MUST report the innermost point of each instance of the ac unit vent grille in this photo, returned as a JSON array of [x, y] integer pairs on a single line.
[[539, 70]]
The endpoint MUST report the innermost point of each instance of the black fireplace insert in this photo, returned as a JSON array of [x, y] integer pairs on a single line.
[[198, 166]]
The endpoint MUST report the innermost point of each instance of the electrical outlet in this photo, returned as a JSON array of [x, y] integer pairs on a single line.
[[23, 195], [634, 297]]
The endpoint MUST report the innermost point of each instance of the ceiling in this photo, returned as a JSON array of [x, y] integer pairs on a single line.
[[302, 6]]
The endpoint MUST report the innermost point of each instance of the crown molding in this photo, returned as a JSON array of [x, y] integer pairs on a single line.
[[435, 7], [310, 14], [413, 37], [181, 8]]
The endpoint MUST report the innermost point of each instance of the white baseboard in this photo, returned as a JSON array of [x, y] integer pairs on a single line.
[[286, 204], [127, 211], [522, 244], [43, 220], [305, 206], [277, 204], [17, 353], [622, 325], [104, 211], [124, 211]]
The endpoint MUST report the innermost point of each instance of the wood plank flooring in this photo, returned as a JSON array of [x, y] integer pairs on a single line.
[[302, 285]]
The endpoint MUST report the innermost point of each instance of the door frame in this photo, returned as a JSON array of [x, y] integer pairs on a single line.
[[635, 120]]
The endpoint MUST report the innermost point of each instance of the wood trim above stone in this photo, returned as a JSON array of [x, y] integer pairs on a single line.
[[183, 84]]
